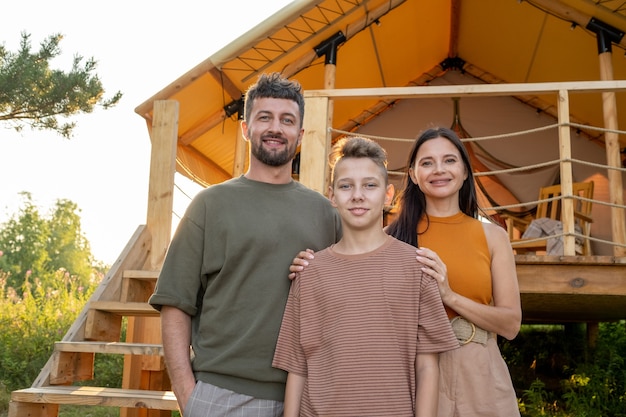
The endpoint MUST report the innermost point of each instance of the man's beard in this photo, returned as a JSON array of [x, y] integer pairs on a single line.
[[271, 158]]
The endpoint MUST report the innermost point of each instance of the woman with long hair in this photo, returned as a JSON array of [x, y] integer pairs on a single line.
[[473, 264]]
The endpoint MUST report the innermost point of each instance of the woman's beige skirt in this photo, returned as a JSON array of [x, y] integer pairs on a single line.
[[474, 381]]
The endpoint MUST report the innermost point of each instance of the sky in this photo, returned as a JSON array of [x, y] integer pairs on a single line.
[[141, 47]]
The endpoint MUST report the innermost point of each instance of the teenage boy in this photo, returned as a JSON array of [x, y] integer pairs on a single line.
[[363, 326]]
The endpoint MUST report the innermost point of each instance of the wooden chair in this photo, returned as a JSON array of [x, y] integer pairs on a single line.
[[552, 210]]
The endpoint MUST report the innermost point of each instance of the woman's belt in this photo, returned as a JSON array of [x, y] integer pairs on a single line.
[[466, 331]]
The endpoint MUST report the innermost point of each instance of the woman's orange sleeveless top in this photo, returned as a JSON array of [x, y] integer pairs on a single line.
[[461, 244]]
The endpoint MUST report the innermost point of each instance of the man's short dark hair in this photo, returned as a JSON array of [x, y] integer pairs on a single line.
[[274, 85]]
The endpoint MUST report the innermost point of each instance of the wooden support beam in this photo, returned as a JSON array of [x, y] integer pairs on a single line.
[[189, 157], [565, 154], [159, 222], [204, 126], [330, 74], [558, 289], [161, 181], [613, 157], [315, 144], [140, 372], [227, 84], [470, 90], [241, 150]]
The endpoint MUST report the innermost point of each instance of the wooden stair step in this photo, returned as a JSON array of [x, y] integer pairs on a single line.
[[132, 309], [140, 274], [110, 348], [113, 397]]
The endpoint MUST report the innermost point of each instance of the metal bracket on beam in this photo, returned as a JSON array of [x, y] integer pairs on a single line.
[[329, 47], [452, 63], [606, 34], [235, 106]]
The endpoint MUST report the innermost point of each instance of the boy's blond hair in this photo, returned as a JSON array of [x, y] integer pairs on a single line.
[[358, 147]]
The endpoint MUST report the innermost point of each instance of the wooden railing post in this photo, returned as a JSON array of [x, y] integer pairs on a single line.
[[613, 157], [164, 137], [148, 372], [565, 155], [241, 151], [315, 144]]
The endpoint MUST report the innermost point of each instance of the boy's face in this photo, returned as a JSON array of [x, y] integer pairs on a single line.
[[360, 193]]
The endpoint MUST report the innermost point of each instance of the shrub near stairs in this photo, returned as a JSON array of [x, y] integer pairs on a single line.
[[32, 322]]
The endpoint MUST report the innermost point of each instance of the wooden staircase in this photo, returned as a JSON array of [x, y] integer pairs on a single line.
[[122, 295]]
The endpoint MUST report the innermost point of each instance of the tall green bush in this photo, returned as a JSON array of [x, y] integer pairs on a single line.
[[30, 324]]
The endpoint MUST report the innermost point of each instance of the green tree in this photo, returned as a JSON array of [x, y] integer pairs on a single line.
[[67, 248], [23, 244], [32, 93], [39, 247]]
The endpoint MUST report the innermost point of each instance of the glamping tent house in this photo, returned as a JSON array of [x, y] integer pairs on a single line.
[[536, 86]]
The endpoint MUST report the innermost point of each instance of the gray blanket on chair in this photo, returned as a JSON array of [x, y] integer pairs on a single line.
[[549, 227]]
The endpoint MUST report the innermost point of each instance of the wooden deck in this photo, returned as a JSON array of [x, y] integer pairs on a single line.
[[572, 288]]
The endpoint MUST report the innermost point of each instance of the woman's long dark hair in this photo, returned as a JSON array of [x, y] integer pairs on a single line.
[[412, 200]]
